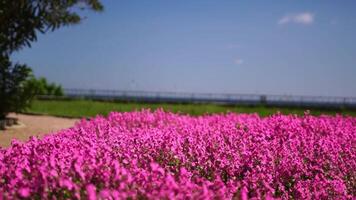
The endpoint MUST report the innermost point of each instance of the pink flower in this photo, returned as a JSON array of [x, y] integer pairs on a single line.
[[161, 155], [24, 192], [91, 192], [244, 193]]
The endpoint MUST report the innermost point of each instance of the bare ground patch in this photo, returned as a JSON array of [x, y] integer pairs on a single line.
[[33, 125]]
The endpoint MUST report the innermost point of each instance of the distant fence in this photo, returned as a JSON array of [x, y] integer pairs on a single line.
[[245, 99]]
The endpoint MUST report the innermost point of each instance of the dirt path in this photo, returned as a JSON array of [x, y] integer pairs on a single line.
[[33, 125]]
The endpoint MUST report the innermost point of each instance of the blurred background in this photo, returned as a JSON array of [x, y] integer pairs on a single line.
[[81, 58], [279, 47]]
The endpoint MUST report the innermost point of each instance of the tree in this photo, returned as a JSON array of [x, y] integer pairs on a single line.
[[20, 22], [14, 96]]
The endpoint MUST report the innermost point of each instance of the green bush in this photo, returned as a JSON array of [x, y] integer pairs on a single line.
[[42, 87]]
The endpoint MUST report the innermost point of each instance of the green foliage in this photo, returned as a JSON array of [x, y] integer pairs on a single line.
[[58, 91], [18, 87], [22, 20], [15, 95], [41, 86]]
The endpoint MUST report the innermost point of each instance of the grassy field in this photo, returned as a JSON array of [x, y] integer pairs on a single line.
[[87, 108]]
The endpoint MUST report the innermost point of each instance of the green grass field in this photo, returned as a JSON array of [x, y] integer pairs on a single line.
[[87, 108]]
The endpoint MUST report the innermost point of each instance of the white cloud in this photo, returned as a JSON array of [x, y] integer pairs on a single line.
[[238, 61], [304, 18]]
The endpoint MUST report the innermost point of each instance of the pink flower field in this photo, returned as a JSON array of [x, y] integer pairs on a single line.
[[161, 155]]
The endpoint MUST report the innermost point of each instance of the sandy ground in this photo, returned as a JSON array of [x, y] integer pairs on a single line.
[[33, 125]]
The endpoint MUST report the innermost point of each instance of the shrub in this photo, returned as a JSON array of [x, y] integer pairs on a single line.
[[42, 87]]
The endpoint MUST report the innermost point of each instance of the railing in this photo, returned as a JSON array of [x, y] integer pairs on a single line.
[[183, 97]]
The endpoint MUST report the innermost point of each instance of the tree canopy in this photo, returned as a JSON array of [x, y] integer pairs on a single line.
[[22, 20]]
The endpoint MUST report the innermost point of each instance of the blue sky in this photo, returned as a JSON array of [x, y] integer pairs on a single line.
[[219, 46]]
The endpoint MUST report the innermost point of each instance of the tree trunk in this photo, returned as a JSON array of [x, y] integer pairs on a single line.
[[2, 124]]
